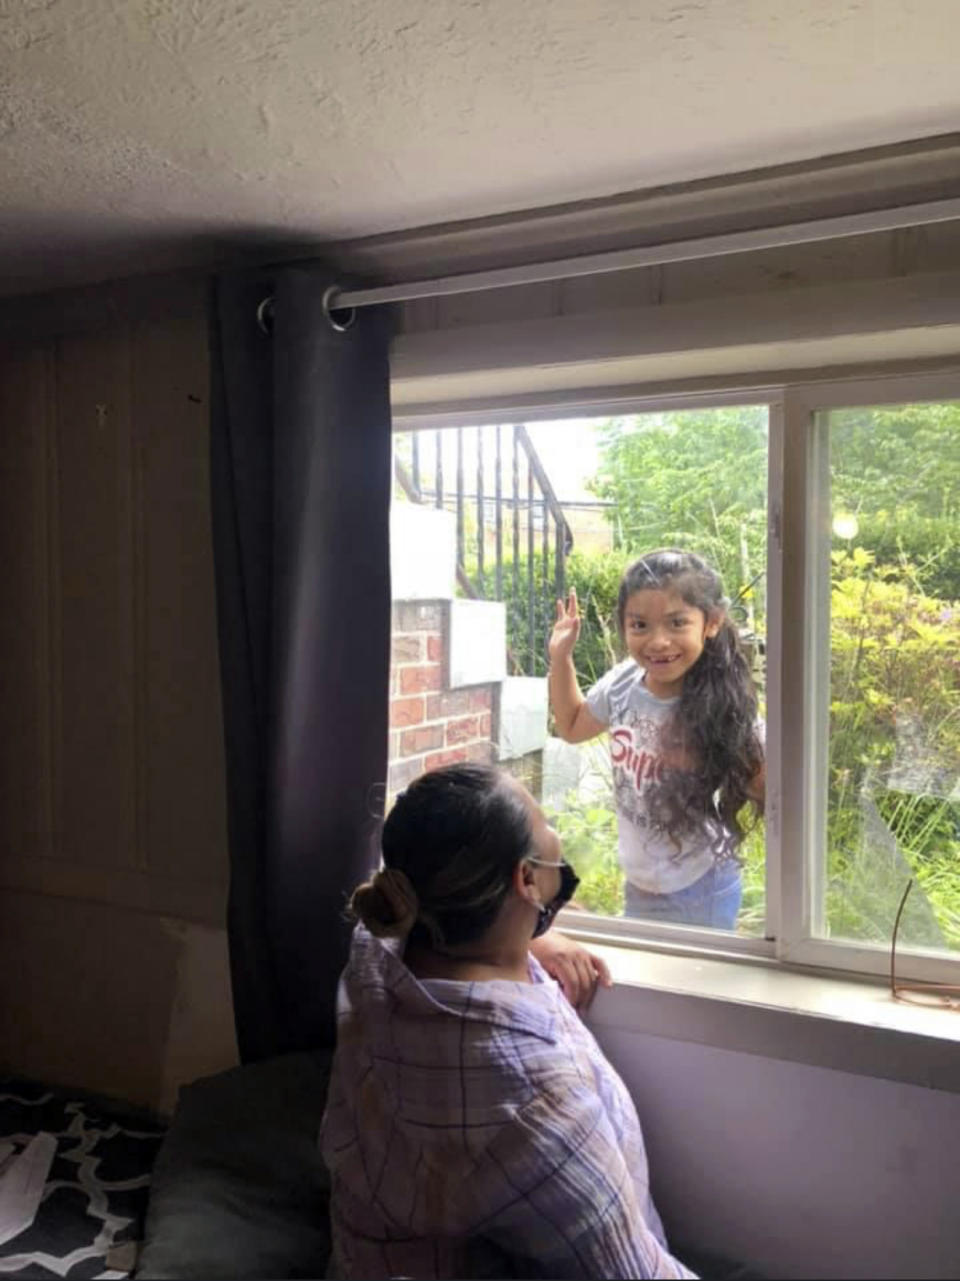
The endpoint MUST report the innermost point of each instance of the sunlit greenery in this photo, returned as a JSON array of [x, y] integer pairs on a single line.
[[894, 752]]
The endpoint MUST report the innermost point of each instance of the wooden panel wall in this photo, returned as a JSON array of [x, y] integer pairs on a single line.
[[111, 756]]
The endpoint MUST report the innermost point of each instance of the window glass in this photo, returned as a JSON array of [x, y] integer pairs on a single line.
[[888, 571], [490, 526]]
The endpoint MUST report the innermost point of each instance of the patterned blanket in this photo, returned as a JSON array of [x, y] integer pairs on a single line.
[[93, 1203]]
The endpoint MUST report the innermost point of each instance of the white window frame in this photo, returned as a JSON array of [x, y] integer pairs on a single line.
[[796, 723], [805, 671]]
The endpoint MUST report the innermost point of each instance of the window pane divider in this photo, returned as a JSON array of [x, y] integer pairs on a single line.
[[773, 772], [790, 727]]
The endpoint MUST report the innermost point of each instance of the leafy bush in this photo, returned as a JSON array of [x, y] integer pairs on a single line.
[[596, 578], [695, 479], [588, 833], [927, 548], [753, 859], [894, 750]]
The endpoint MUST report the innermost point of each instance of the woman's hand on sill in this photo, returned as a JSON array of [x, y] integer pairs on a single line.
[[575, 968]]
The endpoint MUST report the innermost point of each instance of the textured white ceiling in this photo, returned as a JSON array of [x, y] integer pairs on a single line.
[[138, 133]]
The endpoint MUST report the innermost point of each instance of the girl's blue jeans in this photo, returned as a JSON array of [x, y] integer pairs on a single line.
[[713, 901]]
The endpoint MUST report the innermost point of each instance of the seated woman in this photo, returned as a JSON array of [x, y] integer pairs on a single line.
[[473, 1126]]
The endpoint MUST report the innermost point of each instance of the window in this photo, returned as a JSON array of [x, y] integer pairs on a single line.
[[831, 512], [880, 780]]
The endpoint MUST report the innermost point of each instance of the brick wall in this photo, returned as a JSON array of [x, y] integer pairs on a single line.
[[431, 725]]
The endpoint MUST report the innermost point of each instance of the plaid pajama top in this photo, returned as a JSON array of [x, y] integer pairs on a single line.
[[476, 1130]]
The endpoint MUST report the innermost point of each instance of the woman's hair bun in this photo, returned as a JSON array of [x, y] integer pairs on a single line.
[[450, 846], [387, 905]]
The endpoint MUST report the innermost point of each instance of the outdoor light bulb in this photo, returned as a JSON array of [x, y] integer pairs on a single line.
[[846, 525]]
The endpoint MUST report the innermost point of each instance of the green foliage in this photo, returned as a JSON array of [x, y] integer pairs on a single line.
[[597, 581], [930, 546], [596, 578], [695, 479], [898, 471], [753, 857], [588, 833], [698, 480], [901, 460], [894, 749]]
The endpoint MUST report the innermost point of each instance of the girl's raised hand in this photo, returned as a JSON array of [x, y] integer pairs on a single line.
[[566, 629]]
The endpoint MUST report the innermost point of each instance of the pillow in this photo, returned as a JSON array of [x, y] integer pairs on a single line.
[[239, 1189]]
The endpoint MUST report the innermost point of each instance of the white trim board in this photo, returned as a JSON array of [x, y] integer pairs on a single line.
[[840, 1023], [811, 328]]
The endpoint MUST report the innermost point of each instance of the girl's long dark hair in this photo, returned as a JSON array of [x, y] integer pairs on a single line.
[[712, 734]]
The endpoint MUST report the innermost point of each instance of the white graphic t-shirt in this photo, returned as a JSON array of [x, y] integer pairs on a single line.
[[649, 857]]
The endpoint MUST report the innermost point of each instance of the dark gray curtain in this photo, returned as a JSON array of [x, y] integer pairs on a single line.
[[301, 489]]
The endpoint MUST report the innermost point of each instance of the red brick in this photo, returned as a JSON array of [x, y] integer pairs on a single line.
[[406, 711], [416, 680], [463, 730], [453, 702], [480, 752], [485, 723], [425, 738], [434, 702], [402, 773], [435, 649], [438, 759], [406, 649], [481, 699]]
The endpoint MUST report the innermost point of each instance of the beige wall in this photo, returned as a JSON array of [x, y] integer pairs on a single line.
[[113, 863], [798, 1171]]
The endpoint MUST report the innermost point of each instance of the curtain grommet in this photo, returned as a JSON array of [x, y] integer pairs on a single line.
[[340, 318], [265, 314]]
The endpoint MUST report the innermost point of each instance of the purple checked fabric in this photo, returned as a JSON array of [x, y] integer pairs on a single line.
[[476, 1130]]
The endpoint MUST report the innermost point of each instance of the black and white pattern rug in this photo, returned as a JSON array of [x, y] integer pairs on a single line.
[[96, 1192]]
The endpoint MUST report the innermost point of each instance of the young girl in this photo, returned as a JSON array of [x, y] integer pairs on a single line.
[[685, 742]]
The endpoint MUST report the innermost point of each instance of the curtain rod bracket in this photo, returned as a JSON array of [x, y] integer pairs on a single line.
[[340, 318], [265, 314]]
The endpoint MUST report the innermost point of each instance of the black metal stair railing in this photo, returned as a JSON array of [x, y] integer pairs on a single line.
[[519, 513]]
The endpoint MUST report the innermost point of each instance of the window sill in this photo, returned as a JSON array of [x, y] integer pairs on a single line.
[[836, 1022]]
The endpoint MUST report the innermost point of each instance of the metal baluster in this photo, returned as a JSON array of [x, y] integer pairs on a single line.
[[516, 522], [460, 496], [560, 564], [530, 609], [415, 441], [480, 511], [546, 557], [498, 498], [438, 469]]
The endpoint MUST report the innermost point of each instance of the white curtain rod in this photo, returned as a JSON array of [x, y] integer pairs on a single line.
[[736, 242]]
